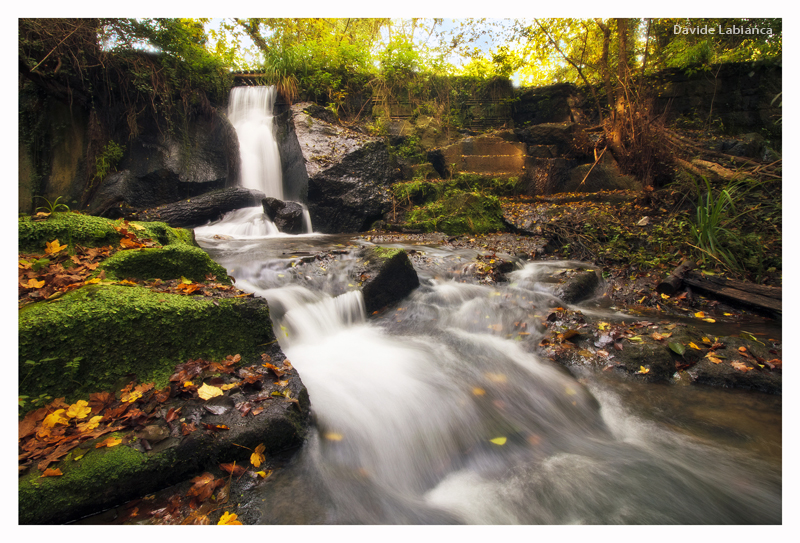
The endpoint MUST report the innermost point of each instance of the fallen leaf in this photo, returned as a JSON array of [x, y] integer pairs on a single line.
[[257, 458], [53, 247], [233, 469], [643, 370], [206, 392], [714, 359], [264, 474], [694, 346], [33, 283], [677, 347], [79, 410], [109, 442], [51, 472], [700, 315], [333, 436], [90, 425], [499, 440], [56, 417], [228, 519], [741, 366], [477, 391], [203, 486]]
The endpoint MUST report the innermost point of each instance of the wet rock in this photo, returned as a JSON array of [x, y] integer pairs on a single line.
[[348, 174], [725, 374], [577, 286], [287, 216], [199, 210], [387, 276], [160, 167]]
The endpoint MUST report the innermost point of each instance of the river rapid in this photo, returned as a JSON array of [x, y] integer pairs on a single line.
[[438, 411]]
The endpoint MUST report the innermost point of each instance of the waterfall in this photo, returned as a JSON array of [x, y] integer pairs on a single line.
[[251, 114]]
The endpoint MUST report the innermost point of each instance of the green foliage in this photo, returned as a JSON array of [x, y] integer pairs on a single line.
[[107, 161], [711, 221], [459, 212], [51, 207], [419, 191]]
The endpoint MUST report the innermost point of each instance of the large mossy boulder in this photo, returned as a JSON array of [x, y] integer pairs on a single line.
[[96, 479], [74, 228], [170, 262], [90, 338]]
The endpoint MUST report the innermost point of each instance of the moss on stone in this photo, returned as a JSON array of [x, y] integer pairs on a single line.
[[70, 228], [90, 483], [385, 252], [91, 338], [171, 262], [458, 213]]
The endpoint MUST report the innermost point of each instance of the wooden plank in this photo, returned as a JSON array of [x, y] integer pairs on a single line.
[[727, 291]]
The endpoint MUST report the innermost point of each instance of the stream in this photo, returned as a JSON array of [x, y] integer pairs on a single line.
[[431, 414]]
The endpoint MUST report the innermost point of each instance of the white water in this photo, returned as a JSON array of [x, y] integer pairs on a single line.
[[251, 113], [406, 406]]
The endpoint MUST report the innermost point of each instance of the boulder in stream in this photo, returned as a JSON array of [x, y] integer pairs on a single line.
[[287, 216], [386, 276]]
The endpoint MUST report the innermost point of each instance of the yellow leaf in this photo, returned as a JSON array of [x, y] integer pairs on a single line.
[[130, 397], [693, 345], [499, 440], [643, 370], [228, 519], [643, 299], [33, 283], [602, 325], [333, 436], [706, 340], [90, 425], [700, 315], [136, 226], [188, 384], [709, 320], [53, 247], [206, 392], [109, 442], [79, 410], [56, 417], [477, 391], [264, 474], [714, 359], [569, 391], [230, 386], [665, 296], [93, 281], [257, 458]]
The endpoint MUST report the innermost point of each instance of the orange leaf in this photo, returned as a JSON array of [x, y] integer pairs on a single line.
[[228, 519], [109, 442], [53, 247], [33, 283], [51, 472]]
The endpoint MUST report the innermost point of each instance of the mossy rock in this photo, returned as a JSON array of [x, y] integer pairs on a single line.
[[73, 228], [90, 338], [459, 213], [171, 262], [602, 177], [94, 479]]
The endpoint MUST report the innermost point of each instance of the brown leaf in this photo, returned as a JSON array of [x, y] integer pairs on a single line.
[[204, 485], [233, 469], [51, 472], [741, 366]]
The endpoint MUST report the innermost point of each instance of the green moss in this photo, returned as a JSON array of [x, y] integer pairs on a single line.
[[385, 252], [171, 262], [459, 213], [117, 331], [89, 483], [70, 228]]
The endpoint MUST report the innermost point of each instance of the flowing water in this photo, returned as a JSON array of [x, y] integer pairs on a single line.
[[438, 411], [250, 112], [434, 413]]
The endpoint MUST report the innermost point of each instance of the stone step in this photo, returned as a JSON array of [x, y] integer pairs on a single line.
[[491, 163]]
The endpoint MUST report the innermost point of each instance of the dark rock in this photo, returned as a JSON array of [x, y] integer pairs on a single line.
[[601, 177], [349, 174], [436, 158], [568, 139], [287, 216], [706, 372], [200, 209], [159, 167], [387, 277], [577, 286]]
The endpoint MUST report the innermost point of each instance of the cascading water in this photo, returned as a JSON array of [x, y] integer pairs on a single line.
[[438, 412], [250, 113]]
